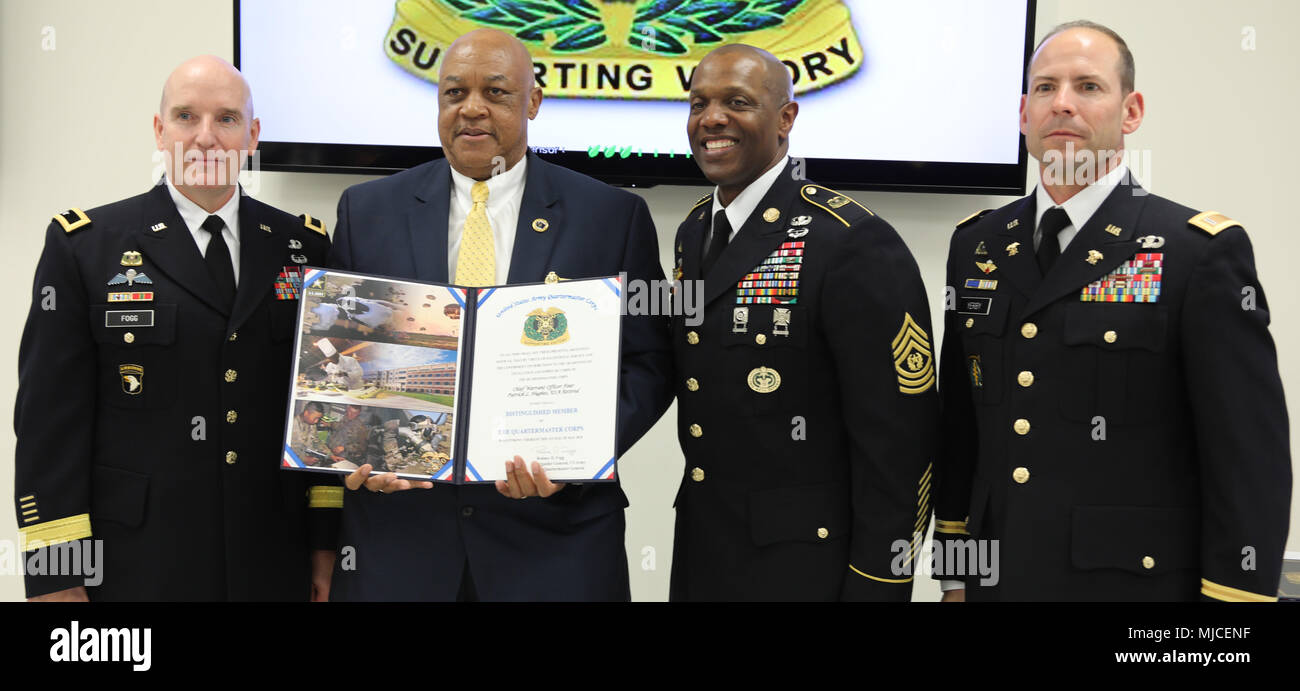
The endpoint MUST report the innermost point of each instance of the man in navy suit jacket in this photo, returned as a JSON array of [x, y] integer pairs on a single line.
[[526, 539]]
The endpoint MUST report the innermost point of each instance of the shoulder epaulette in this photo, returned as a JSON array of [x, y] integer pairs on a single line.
[[701, 200], [313, 224], [842, 207], [72, 219], [973, 217], [1212, 222]]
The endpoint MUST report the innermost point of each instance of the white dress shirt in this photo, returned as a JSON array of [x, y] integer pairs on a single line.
[[743, 205], [194, 216], [1080, 207], [505, 195]]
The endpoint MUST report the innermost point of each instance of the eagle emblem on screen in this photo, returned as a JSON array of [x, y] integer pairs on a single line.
[[633, 49]]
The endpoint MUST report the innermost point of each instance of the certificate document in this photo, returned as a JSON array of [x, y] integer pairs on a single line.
[[448, 383]]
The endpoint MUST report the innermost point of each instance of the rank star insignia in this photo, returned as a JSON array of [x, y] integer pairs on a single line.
[[131, 258], [987, 267], [771, 214], [131, 277], [295, 244], [1013, 249], [132, 379], [1113, 229], [1094, 256], [980, 250], [800, 221], [764, 379], [797, 232], [913, 359]]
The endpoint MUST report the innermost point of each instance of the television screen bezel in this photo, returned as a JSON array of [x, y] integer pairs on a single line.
[[642, 170]]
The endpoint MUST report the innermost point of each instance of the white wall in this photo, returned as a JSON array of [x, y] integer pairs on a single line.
[[75, 131]]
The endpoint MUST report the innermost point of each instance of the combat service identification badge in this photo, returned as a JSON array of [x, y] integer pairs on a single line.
[[132, 379], [764, 379], [545, 327], [913, 360], [632, 49]]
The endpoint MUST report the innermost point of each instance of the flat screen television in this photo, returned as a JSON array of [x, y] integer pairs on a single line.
[[910, 96]]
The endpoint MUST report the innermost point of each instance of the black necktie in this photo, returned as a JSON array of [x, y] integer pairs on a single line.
[[717, 241], [218, 260], [1049, 246]]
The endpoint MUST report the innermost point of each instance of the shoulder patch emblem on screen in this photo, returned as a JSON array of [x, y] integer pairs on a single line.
[[637, 49]]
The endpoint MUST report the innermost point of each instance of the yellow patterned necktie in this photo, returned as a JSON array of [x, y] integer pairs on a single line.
[[476, 262]]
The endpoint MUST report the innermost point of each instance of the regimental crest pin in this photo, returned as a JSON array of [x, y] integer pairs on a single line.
[[913, 358], [132, 258], [1013, 249], [800, 221], [764, 379], [1113, 229], [1094, 256], [740, 320], [796, 232], [295, 244], [987, 267], [547, 327], [540, 225], [771, 214], [781, 321], [132, 379], [131, 277], [980, 250]]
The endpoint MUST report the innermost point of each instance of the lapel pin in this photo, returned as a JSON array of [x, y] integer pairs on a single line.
[[540, 225], [1013, 249], [980, 250], [1113, 229], [1094, 256], [157, 227], [131, 258], [1014, 222], [771, 215], [265, 227]]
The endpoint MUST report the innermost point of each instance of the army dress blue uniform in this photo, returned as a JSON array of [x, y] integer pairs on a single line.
[[806, 405], [1117, 424], [150, 415]]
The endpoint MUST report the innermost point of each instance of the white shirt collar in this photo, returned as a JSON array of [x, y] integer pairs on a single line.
[[740, 208], [1081, 207], [502, 188], [194, 215]]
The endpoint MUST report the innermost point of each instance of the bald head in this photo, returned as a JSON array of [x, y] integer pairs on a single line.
[[486, 96], [207, 72], [484, 45], [775, 76]]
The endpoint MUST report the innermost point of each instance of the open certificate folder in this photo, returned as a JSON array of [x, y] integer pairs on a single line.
[[446, 383]]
